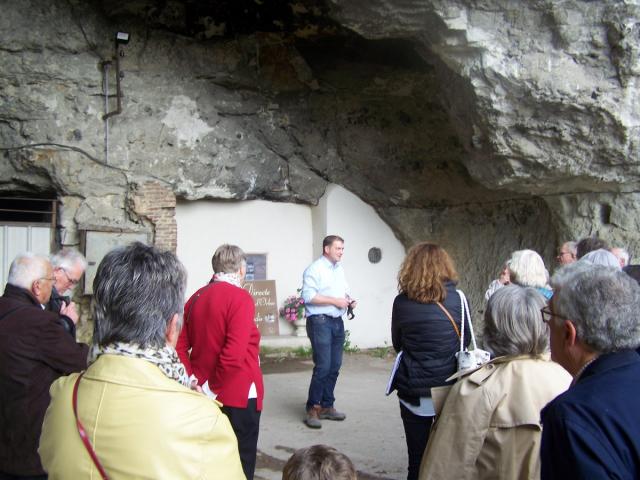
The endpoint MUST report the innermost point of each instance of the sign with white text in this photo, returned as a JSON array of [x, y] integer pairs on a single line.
[[265, 300]]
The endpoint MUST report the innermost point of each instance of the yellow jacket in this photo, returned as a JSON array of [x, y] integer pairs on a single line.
[[488, 423], [141, 425]]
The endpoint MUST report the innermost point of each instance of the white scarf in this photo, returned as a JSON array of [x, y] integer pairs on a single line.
[[165, 358], [232, 278]]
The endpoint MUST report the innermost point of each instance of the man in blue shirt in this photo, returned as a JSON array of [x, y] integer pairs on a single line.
[[326, 296], [593, 429]]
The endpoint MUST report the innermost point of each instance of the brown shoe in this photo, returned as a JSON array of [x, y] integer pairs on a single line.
[[313, 417], [331, 413]]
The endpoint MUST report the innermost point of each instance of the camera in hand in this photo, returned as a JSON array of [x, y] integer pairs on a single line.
[[350, 314]]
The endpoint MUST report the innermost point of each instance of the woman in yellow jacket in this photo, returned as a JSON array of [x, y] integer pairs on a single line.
[[140, 417]]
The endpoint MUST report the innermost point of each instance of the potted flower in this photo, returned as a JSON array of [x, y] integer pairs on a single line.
[[293, 312]]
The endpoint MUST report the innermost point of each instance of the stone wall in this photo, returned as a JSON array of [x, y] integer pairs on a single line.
[[157, 203], [486, 126]]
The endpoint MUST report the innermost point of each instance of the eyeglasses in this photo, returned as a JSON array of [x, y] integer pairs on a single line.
[[547, 315], [52, 279], [564, 253], [72, 281]]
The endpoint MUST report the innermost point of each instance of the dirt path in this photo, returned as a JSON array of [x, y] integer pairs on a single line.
[[372, 435]]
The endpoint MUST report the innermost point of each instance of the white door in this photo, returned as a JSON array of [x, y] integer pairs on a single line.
[[17, 238]]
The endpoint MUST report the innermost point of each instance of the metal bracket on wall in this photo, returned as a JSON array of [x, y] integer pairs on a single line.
[[121, 40]]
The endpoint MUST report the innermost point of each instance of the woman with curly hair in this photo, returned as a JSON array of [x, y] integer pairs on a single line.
[[425, 327]]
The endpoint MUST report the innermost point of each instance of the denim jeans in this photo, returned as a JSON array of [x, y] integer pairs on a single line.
[[327, 342]]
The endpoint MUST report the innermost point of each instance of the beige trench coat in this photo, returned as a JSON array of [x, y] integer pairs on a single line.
[[488, 422]]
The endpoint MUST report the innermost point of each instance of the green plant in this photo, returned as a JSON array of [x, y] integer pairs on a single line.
[[302, 352], [285, 352], [380, 352], [348, 347]]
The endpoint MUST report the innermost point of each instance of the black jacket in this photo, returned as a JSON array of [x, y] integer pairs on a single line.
[[34, 351], [428, 341]]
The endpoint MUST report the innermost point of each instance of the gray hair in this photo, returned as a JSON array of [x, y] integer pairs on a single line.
[[572, 246], [26, 268], [603, 304], [137, 290], [527, 269], [601, 257], [513, 322], [228, 259], [67, 258]]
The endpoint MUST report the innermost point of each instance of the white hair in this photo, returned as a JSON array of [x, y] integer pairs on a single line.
[[527, 269], [621, 254], [601, 257], [26, 268], [67, 258]]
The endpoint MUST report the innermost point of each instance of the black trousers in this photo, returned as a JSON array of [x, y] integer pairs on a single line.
[[246, 425], [416, 431], [7, 476]]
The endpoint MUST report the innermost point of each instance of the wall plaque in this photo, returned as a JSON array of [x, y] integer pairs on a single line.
[[265, 300]]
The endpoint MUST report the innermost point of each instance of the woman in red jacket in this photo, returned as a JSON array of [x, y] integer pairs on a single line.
[[219, 329]]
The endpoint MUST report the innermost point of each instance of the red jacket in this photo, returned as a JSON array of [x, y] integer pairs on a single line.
[[219, 329]]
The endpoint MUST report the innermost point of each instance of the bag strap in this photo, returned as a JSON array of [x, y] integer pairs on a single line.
[[446, 312], [83, 433], [464, 305]]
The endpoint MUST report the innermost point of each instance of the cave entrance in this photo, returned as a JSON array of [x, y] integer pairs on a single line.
[[27, 224], [291, 237]]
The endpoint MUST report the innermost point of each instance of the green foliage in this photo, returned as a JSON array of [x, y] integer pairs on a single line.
[[282, 353], [380, 352], [348, 346], [302, 352]]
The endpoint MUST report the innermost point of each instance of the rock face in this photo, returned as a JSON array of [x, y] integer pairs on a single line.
[[486, 126]]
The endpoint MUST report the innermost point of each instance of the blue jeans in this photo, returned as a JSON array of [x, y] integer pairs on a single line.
[[327, 342]]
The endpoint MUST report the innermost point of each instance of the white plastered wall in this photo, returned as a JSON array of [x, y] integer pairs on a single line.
[[281, 230], [374, 286], [291, 236]]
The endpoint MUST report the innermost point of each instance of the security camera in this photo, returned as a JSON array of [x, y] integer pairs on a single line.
[[122, 38]]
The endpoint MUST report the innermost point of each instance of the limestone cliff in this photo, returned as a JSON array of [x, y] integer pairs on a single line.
[[486, 125]]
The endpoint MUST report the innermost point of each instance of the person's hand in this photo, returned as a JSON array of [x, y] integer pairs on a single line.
[[70, 311], [341, 303], [194, 386]]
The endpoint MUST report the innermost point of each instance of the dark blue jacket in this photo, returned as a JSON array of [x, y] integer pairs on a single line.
[[592, 431], [429, 342]]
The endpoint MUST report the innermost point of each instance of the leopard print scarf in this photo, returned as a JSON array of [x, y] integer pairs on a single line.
[[166, 358]]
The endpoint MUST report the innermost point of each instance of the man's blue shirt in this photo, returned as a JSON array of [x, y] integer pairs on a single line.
[[323, 277]]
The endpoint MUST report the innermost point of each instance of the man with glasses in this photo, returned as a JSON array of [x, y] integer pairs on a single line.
[[567, 253], [68, 267], [593, 429], [34, 351]]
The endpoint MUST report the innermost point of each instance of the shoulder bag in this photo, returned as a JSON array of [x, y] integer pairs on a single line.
[[467, 359]]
